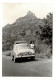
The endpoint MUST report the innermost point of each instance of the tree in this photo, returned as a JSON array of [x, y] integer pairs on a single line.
[[47, 29]]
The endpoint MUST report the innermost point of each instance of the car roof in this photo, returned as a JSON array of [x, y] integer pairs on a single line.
[[18, 42]]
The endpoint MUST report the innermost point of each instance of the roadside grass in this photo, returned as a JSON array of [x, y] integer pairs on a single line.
[[7, 53]]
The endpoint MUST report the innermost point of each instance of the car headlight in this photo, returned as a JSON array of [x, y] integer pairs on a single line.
[[19, 54], [29, 53]]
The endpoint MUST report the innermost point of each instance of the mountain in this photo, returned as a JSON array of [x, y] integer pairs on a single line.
[[29, 28], [23, 28]]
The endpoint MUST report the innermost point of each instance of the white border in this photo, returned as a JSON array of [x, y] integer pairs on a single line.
[[27, 1]]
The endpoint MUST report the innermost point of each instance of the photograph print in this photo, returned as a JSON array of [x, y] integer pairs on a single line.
[[27, 39]]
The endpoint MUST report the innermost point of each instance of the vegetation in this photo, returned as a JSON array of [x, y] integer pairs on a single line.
[[30, 28]]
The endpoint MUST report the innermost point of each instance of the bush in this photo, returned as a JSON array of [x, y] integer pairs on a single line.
[[43, 50]]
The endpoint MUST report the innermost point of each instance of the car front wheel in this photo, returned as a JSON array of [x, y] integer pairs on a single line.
[[14, 59], [32, 58]]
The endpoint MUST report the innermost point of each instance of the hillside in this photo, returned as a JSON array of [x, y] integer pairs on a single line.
[[26, 28]]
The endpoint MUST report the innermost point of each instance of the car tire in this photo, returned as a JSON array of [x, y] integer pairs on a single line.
[[32, 58], [14, 60]]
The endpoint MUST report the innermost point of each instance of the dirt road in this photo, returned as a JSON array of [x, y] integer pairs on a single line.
[[27, 68]]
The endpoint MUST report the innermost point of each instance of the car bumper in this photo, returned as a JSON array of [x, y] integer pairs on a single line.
[[17, 57]]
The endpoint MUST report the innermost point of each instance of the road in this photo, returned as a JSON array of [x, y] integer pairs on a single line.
[[26, 68]]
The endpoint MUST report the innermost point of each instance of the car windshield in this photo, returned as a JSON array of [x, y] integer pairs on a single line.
[[22, 46]]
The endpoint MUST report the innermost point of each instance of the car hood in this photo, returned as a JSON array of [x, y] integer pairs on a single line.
[[24, 50]]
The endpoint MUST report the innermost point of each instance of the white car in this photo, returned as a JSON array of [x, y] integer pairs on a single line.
[[22, 50]]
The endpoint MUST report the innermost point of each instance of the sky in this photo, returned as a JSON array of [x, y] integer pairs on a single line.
[[12, 11]]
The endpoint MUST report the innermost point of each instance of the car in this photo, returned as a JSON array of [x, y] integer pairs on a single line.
[[22, 49]]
